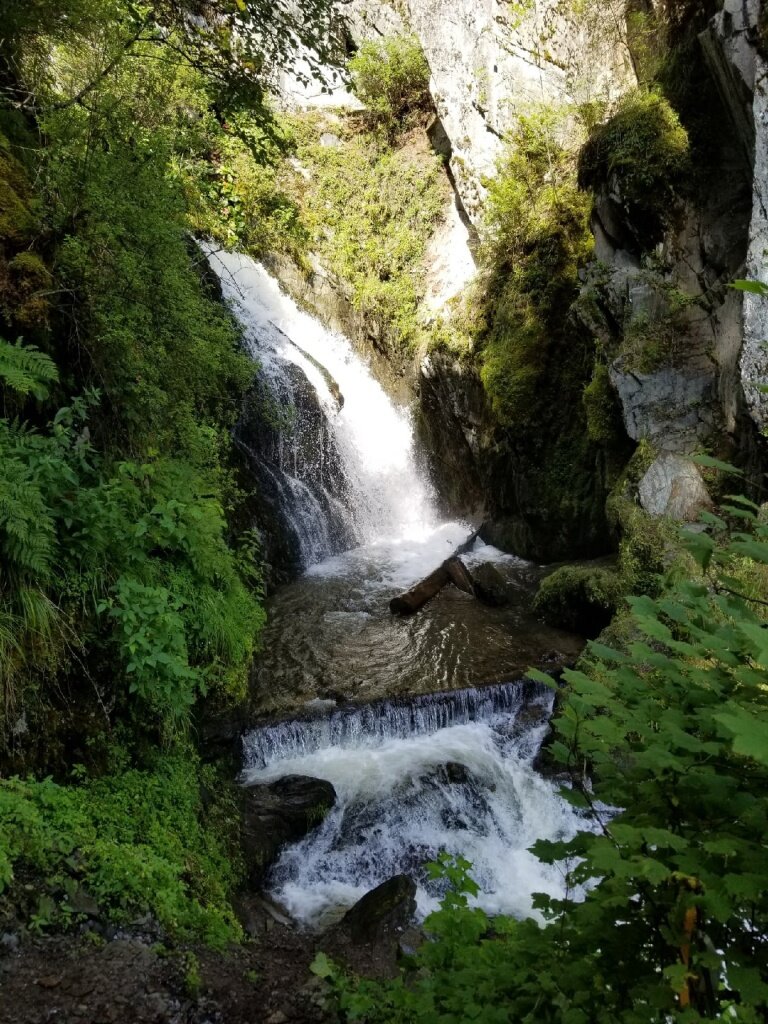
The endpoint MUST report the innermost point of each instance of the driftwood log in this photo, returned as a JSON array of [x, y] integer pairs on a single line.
[[452, 571]]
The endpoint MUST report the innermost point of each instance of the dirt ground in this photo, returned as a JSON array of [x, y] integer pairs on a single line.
[[132, 979]]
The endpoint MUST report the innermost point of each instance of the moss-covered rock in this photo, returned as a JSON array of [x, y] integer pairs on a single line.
[[579, 597], [640, 155], [601, 404]]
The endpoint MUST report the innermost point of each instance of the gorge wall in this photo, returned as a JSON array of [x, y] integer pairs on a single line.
[[645, 348]]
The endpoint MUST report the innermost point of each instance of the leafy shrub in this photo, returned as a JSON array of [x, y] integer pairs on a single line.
[[371, 209], [26, 371], [135, 842], [641, 152], [391, 77], [666, 752], [128, 537]]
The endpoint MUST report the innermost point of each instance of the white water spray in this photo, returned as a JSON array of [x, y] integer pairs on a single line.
[[449, 772], [385, 496]]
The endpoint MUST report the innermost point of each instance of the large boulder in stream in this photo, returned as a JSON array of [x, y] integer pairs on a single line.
[[280, 813], [490, 585], [382, 912]]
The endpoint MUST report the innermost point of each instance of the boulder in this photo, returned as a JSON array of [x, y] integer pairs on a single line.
[[490, 585], [280, 813], [673, 487], [386, 909], [673, 406]]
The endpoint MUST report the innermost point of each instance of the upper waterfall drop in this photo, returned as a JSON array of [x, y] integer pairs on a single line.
[[352, 478]]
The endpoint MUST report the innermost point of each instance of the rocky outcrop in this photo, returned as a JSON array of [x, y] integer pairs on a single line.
[[453, 423], [491, 586], [489, 63], [673, 486], [753, 362], [387, 909], [280, 813], [689, 354]]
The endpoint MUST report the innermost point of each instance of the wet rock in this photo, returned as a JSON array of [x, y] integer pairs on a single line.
[[455, 772], [673, 486], [257, 914], [452, 773], [387, 908], [490, 586], [282, 812]]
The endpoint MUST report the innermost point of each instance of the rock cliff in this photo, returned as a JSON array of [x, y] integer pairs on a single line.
[[653, 322]]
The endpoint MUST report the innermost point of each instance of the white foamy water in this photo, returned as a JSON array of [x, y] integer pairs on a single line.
[[414, 776], [386, 495], [447, 772]]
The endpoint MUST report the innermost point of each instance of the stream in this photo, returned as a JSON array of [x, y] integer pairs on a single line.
[[424, 725]]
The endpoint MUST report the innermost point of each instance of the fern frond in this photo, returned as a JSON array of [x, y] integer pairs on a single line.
[[26, 370]]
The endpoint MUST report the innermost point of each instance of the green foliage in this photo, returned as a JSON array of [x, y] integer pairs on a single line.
[[235, 48], [391, 77], [143, 543], [581, 598], [135, 842], [25, 370], [666, 751], [169, 370], [641, 153], [601, 404], [538, 237], [656, 336], [647, 546], [370, 209]]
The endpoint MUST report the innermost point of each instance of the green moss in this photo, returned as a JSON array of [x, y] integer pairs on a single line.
[[642, 152], [370, 209], [604, 422], [537, 238], [657, 337], [644, 543], [17, 204], [581, 598], [31, 281]]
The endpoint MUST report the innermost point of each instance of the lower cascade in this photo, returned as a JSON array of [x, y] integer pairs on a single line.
[[450, 769], [445, 772]]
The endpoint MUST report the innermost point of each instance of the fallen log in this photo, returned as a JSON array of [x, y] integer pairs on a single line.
[[460, 575], [466, 547], [417, 597], [452, 570]]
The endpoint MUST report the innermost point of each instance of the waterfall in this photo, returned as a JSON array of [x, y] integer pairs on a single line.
[[369, 724], [331, 449], [452, 771]]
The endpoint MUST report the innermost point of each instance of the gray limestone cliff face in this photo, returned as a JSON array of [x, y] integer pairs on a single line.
[[706, 391], [489, 64], [487, 67]]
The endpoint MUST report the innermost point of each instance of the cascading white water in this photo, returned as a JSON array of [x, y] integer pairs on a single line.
[[449, 772], [414, 776], [381, 493]]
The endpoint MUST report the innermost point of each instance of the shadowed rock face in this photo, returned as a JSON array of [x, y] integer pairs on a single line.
[[281, 813], [388, 908]]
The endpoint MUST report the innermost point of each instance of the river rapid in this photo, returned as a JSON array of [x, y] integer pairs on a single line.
[[424, 725]]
